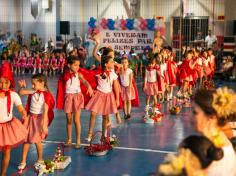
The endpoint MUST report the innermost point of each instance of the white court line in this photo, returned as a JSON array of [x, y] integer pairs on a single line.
[[121, 148]]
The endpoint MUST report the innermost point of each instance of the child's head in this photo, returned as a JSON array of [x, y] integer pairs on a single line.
[[108, 52], [107, 63], [194, 156], [203, 149], [125, 61], [152, 60], [39, 82], [209, 51], [196, 52], [190, 54], [6, 77], [73, 63]]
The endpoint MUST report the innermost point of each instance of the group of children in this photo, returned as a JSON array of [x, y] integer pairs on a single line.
[[102, 91], [47, 63]]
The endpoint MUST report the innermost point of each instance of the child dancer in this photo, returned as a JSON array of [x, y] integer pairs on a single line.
[[45, 65], [12, 130], [16, 64], [128, 91], [199, 66], [23, 60], [212, 63], [152, 84], [40, 106], [61, 63], [171, 76], [163, 73], [30, 64], [69, 93], [103, 102], [37, 63], [53, 64]]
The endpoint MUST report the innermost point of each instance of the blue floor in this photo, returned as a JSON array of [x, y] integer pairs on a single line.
[[142, 146]]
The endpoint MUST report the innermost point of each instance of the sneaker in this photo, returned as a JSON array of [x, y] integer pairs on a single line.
[[21, 166], [89, 137], [39, 164]]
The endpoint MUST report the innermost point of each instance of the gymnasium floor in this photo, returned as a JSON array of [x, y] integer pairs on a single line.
[[142, 146]]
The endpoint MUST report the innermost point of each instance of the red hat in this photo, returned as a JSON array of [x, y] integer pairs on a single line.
[[6, 72]]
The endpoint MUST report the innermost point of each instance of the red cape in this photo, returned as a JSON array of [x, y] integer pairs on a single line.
[[158, 77], [49, 100], [135, 102], [89, 75], [171, 71]]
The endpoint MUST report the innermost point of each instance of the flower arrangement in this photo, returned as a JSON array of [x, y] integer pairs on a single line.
[[174, 110], [224, 102], [99, 149], [156, 116], [61, 161], [114, 141], [47, 167], [208, 85], [185, 160]]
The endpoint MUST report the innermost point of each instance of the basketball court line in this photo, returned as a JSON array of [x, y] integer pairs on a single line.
[[119, 148]]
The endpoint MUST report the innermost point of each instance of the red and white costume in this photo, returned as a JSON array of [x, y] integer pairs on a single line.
[[45, 64], [69, 95], [23, 61], [13, 133], [37, 62], [30, 62], [153, 81], [53, 63], [171, 72], [103, 101], [35, 107]]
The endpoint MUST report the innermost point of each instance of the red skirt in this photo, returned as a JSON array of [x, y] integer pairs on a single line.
[[34, 128], [102, 103], [127, 94], [151, 88], [73, 102], [13, 133]]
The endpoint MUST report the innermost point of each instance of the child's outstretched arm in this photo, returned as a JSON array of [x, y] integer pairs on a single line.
[[22, 90], [22, 112], [90, 90], [117, 92]]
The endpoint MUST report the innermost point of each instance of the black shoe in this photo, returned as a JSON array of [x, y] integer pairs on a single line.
[[128, 116], [125, 116]]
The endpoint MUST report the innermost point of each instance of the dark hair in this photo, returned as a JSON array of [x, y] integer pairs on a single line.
[[106, 51], [41, 78], [189, 52], [203, 149], [104, 60], [204, 98], [72, 59], [233, 141], [209, 49]]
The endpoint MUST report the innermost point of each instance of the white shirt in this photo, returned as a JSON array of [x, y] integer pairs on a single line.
[[37, 103], [200, 61], [210, 40], [151, 75], [163, 69], [73, 85], [105, 85], [225, 166], [125, 77], [15, 100]]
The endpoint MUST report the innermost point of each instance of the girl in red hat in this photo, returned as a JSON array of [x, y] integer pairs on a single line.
[[39, 107], [12, 130]]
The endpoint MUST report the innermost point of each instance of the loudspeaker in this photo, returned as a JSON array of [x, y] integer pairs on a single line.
[[234, 32], [65, 27]]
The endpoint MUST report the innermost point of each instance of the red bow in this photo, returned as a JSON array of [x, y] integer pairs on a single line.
[[8, 94]]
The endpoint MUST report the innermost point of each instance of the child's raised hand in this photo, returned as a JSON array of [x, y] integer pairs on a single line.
[[22, 83]]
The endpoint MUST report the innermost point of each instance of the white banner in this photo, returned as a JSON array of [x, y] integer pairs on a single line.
[[121, 40]]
